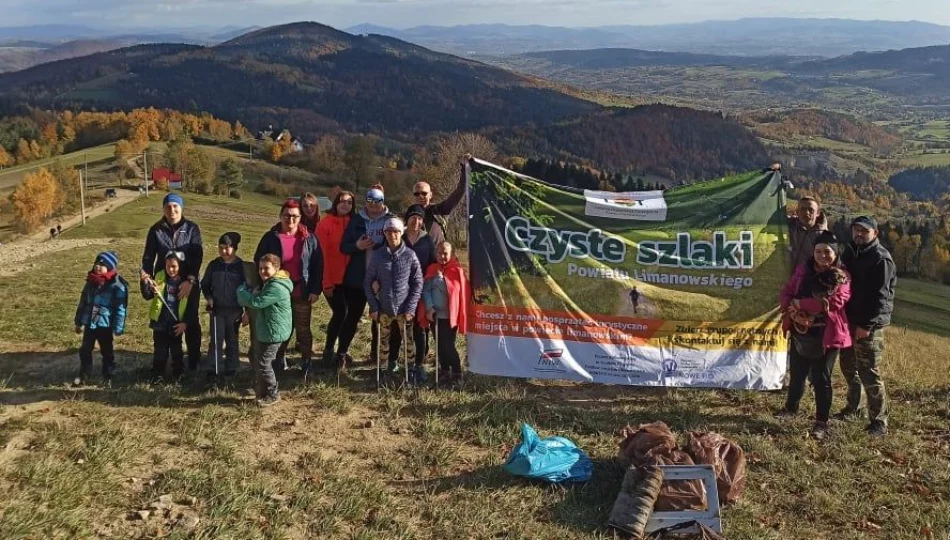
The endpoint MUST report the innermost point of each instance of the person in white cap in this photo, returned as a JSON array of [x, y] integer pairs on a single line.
[[397, 275]]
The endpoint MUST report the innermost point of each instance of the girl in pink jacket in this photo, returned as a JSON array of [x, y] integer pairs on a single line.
[[813, 303]]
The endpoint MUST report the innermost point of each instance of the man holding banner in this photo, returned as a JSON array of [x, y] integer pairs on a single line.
[[552, 268]]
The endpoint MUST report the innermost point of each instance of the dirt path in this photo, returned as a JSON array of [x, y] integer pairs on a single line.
[[19, 251]]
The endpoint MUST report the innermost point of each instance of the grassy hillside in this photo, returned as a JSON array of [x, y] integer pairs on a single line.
[[346, 462]]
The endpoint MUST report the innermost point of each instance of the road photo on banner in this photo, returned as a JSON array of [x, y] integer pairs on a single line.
[[654, 288]]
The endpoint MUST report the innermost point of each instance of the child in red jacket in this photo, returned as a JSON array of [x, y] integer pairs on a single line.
[[446, 296]]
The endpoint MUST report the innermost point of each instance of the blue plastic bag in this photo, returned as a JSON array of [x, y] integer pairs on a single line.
[[554, 459]]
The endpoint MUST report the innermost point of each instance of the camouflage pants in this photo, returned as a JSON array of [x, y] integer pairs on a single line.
[[860, 365], [387, 324]]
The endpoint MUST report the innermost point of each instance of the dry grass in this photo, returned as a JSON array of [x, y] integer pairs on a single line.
[[346, 462]]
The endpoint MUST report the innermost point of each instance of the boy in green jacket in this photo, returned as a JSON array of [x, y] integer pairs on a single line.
[[272, 322]]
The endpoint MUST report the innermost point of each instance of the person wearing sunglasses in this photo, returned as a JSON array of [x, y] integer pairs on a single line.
[[434, 219], [363, 235], [300, 257]]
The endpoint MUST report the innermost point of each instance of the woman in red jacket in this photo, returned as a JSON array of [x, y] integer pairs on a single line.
[[813, 303], [330, 234]]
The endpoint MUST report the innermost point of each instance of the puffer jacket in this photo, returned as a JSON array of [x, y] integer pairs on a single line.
[[221, 281], [361, 224], [273, 321], [105, 306], [837, 335], [311, 257], [400, 281], [330, 235]]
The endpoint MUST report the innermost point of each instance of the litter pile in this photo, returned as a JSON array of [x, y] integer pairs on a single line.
[[648, 451]]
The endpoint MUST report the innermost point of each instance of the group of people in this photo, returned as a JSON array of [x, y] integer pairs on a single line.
[[402, 267], [835, 307]]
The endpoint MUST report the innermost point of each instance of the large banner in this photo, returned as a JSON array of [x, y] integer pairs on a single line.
[[655, 288]]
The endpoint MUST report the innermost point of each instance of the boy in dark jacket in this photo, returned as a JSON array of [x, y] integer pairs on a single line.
[[396, 271], [219, 286], [170, 316], [101, 314]]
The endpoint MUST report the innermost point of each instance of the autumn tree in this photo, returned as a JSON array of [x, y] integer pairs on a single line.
[[240, 132], [326, 155], [23, 152], [35, 199], [5, 158], [360, 158], [67, 180]]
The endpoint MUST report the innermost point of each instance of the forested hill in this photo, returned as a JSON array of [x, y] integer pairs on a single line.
[[306, 76], [674, 142]]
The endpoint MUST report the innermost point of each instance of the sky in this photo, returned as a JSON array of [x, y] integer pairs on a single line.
[[407, 13]]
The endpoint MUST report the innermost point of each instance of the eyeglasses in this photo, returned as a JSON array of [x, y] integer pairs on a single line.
[[292, 216], [374, 201], [421, 193]]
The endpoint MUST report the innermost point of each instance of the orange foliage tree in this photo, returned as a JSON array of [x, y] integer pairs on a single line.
[[35, 199]]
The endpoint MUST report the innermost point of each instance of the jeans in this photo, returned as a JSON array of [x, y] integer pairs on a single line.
[[265, 378], [89, 338], [820, 368]]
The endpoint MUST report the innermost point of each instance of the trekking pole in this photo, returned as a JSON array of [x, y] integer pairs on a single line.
[[435, 332], [378, 342], [161, 299], [405, 347]]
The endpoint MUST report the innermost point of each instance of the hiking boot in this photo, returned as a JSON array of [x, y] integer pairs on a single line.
[[877, 429], [785, 414], [392, 368], [847, 415], [819, 430], [267, 401]]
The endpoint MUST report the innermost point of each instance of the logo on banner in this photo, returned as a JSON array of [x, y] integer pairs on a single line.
[[631, 205], [669, 367], [550, 361]]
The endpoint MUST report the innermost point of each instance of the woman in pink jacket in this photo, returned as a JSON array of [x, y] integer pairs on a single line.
[[813, 304]]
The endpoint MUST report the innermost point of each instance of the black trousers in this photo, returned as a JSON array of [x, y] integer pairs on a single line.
[[420, 337], [89, 339], [820, 368], [355, 300], [449, 359], [167, 343], [339, 309]]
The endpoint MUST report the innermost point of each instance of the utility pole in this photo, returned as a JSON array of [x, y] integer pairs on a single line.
[[85, 167], [145, 168], [82, 199]]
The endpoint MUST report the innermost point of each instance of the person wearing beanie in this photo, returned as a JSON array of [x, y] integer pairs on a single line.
[[393, 287], [219, 285], [302, 259], [869, 313], [813, 305], [330, 232], [170, 315], [101, 314], [420, 242], [176, 233], [363, 236]]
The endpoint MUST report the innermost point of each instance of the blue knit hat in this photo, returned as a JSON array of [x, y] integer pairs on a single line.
[[173, 198], [109, 259]]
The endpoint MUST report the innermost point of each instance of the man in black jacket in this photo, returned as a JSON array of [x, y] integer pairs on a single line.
[[873, 278], [434, 219], [175, 233]]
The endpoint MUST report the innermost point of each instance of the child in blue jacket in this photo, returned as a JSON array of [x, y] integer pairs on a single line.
[[101, 314]]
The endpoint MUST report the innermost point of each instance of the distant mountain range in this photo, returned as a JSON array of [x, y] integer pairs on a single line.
[[314, 80], [743, 37]]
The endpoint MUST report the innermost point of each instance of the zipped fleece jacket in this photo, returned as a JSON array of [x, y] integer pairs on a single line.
[[105, 306], [360, 225], [162, 238], [221, 281], [400, 281], [311, 257], [273, 321], [873, 279]]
